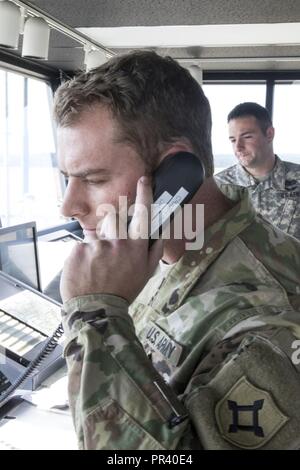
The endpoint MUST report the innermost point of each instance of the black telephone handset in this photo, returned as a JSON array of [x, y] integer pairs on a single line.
[[175, 182]]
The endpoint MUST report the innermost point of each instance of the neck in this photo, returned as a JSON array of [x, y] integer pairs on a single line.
[[215, 206], [264, 168]]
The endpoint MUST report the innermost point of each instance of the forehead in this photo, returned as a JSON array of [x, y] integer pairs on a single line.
[[95, 135], [96, 122], [243, 124]]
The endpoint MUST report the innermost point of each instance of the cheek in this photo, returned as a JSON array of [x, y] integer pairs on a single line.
[[98, 198], [131, 196], [255, 147], [129, 190]]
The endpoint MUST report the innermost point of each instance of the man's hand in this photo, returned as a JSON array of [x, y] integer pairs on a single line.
[[113, 266]]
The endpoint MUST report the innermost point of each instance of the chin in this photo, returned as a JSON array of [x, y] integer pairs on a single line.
[[247, 162]]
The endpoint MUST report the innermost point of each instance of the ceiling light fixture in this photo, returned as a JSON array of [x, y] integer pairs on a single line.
[[10, 22], [36, 38], [37, 31]]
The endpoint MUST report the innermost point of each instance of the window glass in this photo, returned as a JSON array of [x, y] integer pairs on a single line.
[[286, 117], [223, 98], [30, 184]]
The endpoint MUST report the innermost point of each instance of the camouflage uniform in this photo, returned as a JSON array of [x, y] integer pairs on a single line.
[[277, 198], [203, 360]]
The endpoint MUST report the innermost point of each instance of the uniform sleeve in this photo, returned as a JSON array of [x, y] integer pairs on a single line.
[[117, 398], [243, 395], [251, 399]]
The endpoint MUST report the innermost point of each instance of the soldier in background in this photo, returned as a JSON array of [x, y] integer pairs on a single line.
[[273, 184], [199, 355]]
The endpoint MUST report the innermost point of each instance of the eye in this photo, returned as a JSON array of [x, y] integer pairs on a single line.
[[94, 182]]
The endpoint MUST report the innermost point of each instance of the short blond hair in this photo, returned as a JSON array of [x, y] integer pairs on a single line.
[[154, 101]]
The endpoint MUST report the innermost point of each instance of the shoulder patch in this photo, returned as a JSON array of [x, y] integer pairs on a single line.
[[247, 416]]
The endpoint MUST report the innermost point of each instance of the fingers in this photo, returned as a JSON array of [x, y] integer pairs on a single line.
[[139, 227], [113, 224]]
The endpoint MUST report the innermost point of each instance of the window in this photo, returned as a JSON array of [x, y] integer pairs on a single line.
[[223, 98], [286, 116], [30, 184]]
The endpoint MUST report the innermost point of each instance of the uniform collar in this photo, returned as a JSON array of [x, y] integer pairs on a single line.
[[276, 178], [186, 272], [243, 177], [278, 174]]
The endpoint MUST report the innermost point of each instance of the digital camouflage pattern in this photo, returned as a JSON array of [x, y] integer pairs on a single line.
[[277, 198], [202, 358]]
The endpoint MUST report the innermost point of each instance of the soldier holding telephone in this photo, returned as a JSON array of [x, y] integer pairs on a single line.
[[169, 348]]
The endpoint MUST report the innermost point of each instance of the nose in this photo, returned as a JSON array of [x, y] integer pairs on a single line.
[[238, 145], [74, 204]]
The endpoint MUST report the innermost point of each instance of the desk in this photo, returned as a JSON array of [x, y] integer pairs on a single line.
[[38, 428]]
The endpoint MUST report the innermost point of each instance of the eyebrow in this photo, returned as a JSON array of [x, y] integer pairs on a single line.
[[84, 174], [242, 134]]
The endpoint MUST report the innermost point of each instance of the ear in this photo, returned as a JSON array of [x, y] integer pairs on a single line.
[[180, 146], [270, 133]]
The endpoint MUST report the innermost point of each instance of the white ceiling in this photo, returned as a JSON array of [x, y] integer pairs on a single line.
[[215, 34]]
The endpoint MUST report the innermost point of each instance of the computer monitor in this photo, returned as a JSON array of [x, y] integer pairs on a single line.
[[19, 254]]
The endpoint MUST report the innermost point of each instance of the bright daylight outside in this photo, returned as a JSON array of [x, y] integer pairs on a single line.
[[30, 185]]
